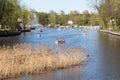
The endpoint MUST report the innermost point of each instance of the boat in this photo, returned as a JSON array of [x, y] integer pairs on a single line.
[[26, 30], [7, 33], [32, 28]]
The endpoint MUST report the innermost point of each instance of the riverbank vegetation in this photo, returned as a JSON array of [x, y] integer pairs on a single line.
[[12, 13], [109, 13], [84, 19], [23, 59]]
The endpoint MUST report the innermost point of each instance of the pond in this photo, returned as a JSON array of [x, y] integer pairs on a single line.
[[104, 50]]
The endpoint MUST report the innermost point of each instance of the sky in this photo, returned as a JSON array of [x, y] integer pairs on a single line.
[[58, 5]]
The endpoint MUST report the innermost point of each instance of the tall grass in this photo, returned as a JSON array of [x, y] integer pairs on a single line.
[[22, 59]]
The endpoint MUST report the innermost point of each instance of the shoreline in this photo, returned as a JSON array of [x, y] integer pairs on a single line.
[[110, 32], [15, 33]]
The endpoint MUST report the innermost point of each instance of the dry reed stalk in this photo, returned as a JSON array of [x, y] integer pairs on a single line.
[[22, 59]]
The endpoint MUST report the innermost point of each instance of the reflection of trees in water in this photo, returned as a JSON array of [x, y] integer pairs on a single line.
[[114, 40], [111, 40]]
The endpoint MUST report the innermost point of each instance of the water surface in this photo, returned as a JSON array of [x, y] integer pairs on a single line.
[[104, 50]]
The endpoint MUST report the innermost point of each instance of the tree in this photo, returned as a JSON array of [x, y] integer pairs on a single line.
[[94, 19], [62, 18], [109, 11], [116, 13], [42, 17], [86, 17], [74, 16], [52, 18], [9, 10]]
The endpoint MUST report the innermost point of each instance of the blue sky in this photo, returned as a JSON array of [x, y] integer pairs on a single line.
[[58, 5]]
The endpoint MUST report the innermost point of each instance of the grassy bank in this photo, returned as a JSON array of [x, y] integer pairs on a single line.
[[22, 59]]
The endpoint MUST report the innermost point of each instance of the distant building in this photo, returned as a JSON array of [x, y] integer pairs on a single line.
[[70, 22]]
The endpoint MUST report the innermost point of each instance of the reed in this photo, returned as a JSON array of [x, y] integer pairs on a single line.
[[22, 59]]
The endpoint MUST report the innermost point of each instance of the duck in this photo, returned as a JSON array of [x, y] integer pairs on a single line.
[[39, 35], [40, 29], [59, 41], [84, 33]]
